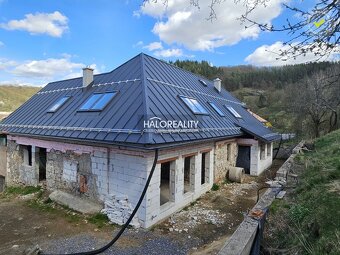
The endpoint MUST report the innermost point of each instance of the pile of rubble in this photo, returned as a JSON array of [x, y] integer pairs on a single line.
[[118, 210], [185, 220], [238, 189]]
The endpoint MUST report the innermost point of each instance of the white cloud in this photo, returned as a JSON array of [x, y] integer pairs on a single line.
[[268, 55], [168, 53], [53, 24], [183, 24], [1, 44], [5, 63], [154, 46], [46, 68], [136, 14], [42, 71], [79, 73], [138, 44]]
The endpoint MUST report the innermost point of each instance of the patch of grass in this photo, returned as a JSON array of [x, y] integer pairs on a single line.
[[276, 205], [48, 206], [22, 190], [298, 212], [226, 181], [99, 219], [312, 213], [215, 187]]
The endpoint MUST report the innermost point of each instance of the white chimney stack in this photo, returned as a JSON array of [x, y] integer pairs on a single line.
[[87, 76], [217, 84]]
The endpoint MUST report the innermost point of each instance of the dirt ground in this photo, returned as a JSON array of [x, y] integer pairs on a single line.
[[201, 228]]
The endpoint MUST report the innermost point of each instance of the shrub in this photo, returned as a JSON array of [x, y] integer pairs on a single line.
[[215, 187]]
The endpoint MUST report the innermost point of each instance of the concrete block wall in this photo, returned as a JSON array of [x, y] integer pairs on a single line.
[[127, 176], [258, 165], [100, 169], [222, 163]]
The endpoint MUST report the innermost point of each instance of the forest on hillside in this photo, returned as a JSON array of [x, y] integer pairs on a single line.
[[303, 98]]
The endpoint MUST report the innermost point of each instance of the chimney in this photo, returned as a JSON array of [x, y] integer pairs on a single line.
[[87, 76], [217, 84]]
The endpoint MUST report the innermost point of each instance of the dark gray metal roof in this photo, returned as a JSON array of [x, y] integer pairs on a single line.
[[147, 87]]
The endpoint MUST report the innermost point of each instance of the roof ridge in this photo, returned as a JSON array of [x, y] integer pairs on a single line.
[[98, 74], [145, 96], [187, 71]]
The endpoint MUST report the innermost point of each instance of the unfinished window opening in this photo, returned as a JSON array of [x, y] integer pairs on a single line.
[[27, 149], [269, 149], [42, 164], [189, 170], [262, 151], [228, 152], [205, 167], [167, 185]]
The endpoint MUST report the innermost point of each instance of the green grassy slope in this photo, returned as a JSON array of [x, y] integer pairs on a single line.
[[308, 222], [11, 97]]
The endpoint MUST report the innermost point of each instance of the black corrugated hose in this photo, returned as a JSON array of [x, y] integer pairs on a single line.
[[121, 231], [278, 148]]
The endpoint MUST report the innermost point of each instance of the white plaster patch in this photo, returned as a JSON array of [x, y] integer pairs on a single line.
[[70, 170]]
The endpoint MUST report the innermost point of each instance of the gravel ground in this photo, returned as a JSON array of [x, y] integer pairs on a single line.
[[142, 242]]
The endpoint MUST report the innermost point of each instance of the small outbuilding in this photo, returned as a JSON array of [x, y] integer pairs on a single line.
[[95, 136]]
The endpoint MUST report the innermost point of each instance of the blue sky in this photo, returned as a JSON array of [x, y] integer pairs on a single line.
[[45, 40]]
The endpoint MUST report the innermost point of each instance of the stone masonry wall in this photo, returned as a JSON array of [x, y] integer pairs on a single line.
[[14, 160], [66, 171], [224, 158], [3, 160], [17, 171]]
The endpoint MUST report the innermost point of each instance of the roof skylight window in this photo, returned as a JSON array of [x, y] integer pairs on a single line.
[[233, 111], [58, 104], [194, 105], [98, 101], [203, 82], [218, 110]]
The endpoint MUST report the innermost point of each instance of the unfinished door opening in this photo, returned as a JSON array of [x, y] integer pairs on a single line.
[[243, 158], [189, 171], [205, 163], [42, 164], [167, 184]]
